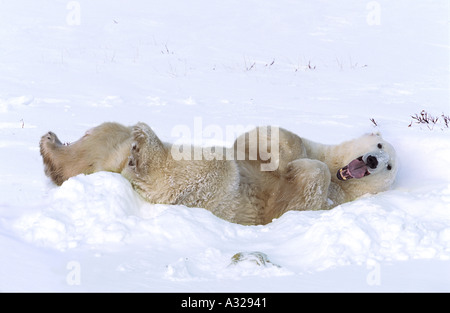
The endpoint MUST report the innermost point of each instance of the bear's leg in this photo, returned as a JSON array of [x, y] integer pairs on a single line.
[[50, 146], [305, 186], [146, 151], [269, 145], [103, 148]]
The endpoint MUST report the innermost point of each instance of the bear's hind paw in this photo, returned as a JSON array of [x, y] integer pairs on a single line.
[[51, 138], [140, 133], [133, 158]]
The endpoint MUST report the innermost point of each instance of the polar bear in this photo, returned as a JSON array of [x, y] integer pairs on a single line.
[[304, 175]]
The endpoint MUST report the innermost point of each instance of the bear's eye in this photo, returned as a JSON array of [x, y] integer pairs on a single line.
[[380, 146], [389, 167]]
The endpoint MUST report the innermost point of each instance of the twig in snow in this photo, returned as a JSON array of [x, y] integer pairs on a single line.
[[430, 121]]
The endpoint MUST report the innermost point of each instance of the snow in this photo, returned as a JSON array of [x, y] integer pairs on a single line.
[[321, 69]]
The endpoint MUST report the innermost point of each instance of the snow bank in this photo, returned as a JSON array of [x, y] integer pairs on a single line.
[[85, 210], [89, 211]]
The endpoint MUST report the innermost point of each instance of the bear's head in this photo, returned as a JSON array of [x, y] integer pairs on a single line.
[[366, 165]]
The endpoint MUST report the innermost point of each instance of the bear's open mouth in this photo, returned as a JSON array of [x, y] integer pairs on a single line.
[[355, 169]]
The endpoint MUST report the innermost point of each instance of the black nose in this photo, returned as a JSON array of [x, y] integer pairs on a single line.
[[372, 161]]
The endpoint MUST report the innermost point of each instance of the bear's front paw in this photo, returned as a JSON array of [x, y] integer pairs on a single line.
[[305, 170]]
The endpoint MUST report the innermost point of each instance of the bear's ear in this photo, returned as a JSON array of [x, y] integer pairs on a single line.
[[376, 134]]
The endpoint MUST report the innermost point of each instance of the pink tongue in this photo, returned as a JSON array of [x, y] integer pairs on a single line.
[[357, 168]]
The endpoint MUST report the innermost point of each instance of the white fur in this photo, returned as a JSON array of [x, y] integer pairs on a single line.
[[238, 190]]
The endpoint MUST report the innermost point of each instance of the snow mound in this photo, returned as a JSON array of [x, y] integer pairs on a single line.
[[103, 209], [91, 209]]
